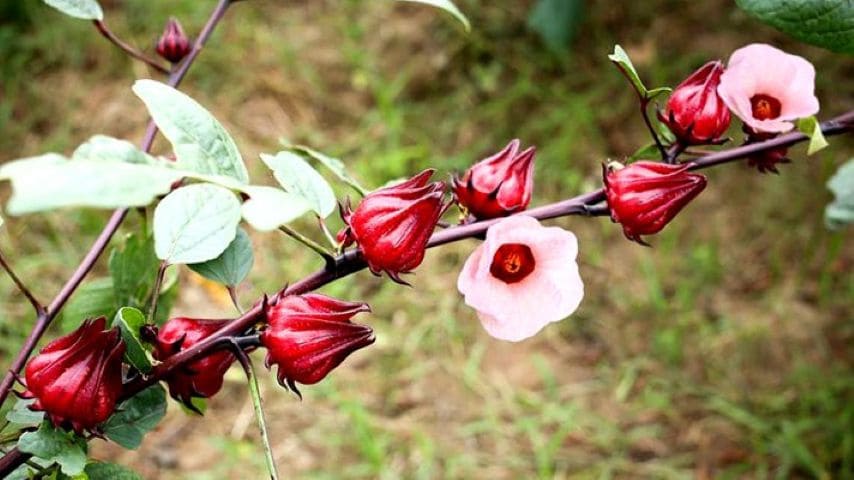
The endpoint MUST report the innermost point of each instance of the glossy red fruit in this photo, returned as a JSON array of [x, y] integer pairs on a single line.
[[309, 335], [645, 196], [392, 225], [77, 379], [173, 44], [499, 185], [201, 378], [695, 112]]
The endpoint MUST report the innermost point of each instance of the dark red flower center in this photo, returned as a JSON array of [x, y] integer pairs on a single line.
[[764, 106], [512, 262]]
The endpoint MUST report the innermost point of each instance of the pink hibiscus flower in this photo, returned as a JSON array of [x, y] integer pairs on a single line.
[[522, 278], [768, 88]]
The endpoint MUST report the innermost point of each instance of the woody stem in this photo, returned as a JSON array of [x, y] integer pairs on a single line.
[[351, 261]]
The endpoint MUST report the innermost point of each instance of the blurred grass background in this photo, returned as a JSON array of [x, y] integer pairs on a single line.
[[722, 352]]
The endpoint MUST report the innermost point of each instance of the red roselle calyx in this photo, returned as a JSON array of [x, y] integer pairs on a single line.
[[77, 379], [645, 196], [173, 44], [392, 225], [201, 378], [309, 335], [695, 113], [499, 185]]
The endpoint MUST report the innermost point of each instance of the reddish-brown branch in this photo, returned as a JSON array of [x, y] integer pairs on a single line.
[[351, 262], [47, 316]]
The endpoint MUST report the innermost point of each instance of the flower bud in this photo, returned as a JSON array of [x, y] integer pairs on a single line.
[[200, 378], [645, 196], [695, 113], [393, 224], [309, 335], [77, 379], [173, 45], [767, 160], [499, 185]]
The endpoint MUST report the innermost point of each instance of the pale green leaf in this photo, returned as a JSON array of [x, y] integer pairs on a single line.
[[46, 184], [56, 445], [826, 23], [270, 207], [14, 168], [233, 265], [130, 321], [624, 63], [810, 127], [840, 212], [334, 165], [136, 416], [299, 178], [20, 414], [448, 6], [109, 149], [195, 223], [85, 9], [200, 142]]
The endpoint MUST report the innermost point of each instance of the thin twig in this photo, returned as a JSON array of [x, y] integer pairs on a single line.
[[155, 294], [329, 237], [23, 288], [327, 255], [133, 52], [644, 106]]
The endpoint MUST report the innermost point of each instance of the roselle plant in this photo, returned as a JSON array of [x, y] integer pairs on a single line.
[[109, 377]]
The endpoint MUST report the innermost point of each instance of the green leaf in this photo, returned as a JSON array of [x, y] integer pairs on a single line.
[[133, 268], [85, 9], [20, 414], [648, 151], [130, 320], [233, 265], [44, 183], [810, 127], [334, 165], [556, 21], [55, 445], [94, 299], [136, 416], [448, 6], [270, 207], [110, 471], [195, 223], [109, 149], [825, 23], [624, 63], [200, 142], [16, 167], [840, 212], [299, 178]]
